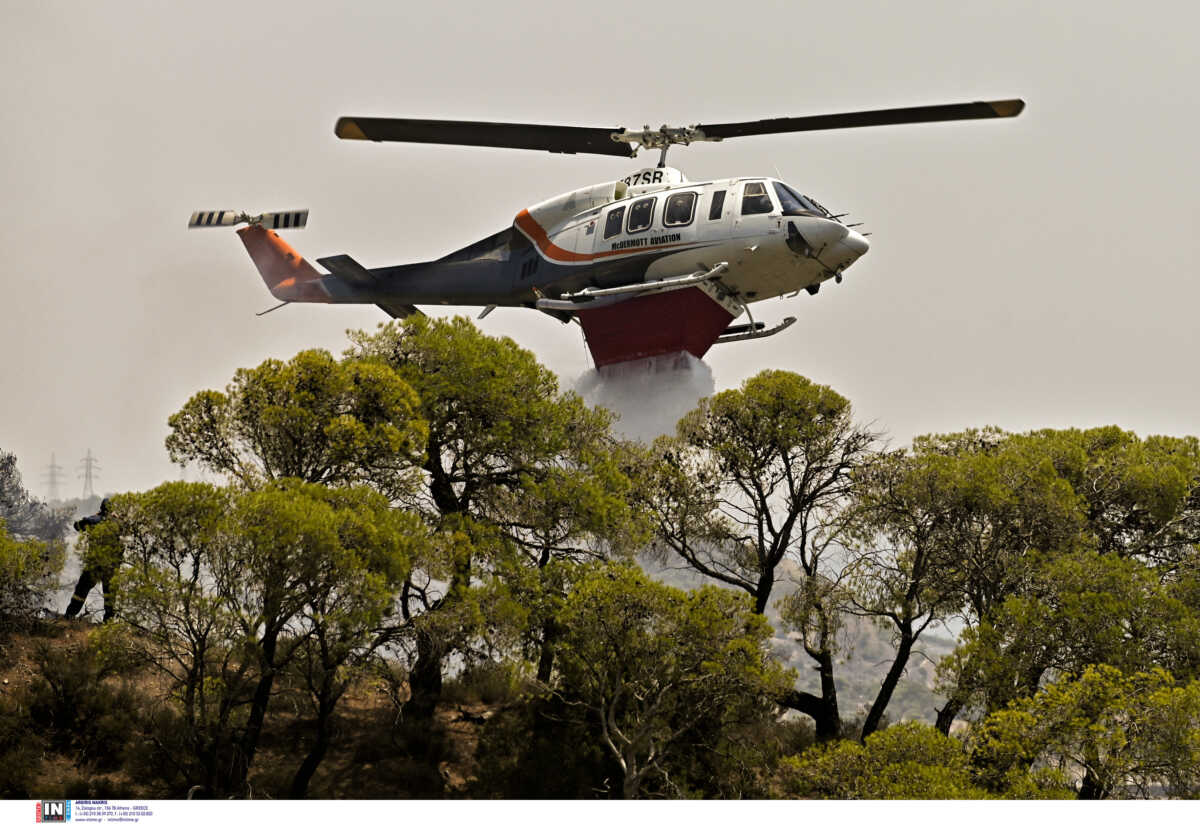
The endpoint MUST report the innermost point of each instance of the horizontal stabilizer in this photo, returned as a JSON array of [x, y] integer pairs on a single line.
[[296, 219], [349, 270], [399, 310]]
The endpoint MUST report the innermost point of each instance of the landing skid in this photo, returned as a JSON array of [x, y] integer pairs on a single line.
[[751, 331]]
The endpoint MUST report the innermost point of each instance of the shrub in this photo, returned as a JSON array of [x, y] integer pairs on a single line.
[[28, 571], [542, 748], [20, 750], [905, 761], [77, 710], [487, 682]]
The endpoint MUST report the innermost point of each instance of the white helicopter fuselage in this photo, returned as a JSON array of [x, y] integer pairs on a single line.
[[656, 225], [681, 259], [647, 265]]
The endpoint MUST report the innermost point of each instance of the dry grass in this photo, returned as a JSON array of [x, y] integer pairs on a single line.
[[375, 753], [18, 650]]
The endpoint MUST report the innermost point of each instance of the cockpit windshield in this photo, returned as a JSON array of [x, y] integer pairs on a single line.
[[794, 203]]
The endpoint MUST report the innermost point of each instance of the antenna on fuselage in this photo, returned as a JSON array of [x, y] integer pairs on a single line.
[[272, 309]]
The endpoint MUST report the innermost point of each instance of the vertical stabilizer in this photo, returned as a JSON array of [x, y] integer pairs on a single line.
[[288, 275]]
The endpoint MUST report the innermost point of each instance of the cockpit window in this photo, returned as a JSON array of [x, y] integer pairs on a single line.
[[795, 203], [641, 212], [755, 200], [822, 209], [612, 223], [679, 210]]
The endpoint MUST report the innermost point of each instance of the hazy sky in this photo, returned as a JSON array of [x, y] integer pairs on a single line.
[[1025, 273]]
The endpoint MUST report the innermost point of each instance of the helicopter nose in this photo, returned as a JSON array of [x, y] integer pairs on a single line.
[[854, 245], [812, 236], [827, 241], [821, 233], [847, 250]]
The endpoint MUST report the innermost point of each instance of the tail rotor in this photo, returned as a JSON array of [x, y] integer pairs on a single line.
[[287, 274], [296, 219]]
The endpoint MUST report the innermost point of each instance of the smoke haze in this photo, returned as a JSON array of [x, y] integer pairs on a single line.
[[1000, 289]]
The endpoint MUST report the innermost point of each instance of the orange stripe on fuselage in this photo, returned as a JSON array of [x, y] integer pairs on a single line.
[[537, 235]]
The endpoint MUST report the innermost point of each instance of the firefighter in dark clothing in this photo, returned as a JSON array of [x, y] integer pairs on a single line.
[[98, 567]]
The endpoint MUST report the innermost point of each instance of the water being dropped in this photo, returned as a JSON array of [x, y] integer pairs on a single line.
[[649, 395]]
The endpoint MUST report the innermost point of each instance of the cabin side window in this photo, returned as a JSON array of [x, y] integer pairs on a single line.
[[641, 213], [680, 209], [755, 200], [717, 206], [612, 224]]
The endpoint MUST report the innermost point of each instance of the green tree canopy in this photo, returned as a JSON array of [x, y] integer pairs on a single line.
[[222, 589], [505, 446], [1078, 611], [312, 418], [31, 548], [26, 516], [1025, 512], [1140, 497], [517, 471], [905, 761], [991, 506], [903, 556], [652, 662], [762, 474], [1124, 735], [28, 569]]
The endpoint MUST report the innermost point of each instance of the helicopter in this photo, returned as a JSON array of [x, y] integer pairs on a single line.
[[649, 264]]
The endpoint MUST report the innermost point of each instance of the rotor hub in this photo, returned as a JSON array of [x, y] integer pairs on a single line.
[[663, 137]]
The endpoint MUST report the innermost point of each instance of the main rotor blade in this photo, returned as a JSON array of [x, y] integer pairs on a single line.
[[561, 139], [878, 117]]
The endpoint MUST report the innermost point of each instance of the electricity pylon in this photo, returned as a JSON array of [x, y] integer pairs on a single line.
[[90, 469], [54, 474]]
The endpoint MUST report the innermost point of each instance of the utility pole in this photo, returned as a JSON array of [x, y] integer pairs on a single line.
[[89, 467], [54, 473]]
